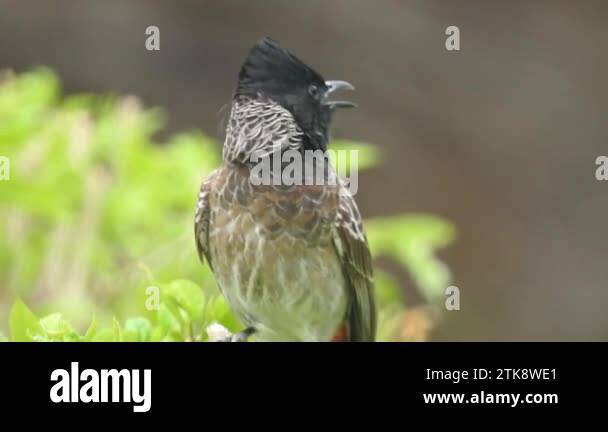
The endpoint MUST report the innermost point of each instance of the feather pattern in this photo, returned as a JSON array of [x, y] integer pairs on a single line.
[[291, 259], [260, 127], [292, 262], [351, 245]]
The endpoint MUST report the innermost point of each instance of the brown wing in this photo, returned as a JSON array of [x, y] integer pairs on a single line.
[[201, 220], [351, 244]]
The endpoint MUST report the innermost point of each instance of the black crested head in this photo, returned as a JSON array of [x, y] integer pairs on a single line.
[[273, 72]]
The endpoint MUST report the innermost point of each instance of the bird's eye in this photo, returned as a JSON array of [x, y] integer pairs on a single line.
[[313, 90]]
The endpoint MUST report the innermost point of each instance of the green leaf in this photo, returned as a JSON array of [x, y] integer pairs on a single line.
[[21, 319], [352, 154], [387, 289], [56, 328], [138, 329], [90, 333], [167, 321], [185, 294], [116, 331], [413, 241]]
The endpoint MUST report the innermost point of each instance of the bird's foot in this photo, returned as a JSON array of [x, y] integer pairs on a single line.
[[242, 336], [219, 333]]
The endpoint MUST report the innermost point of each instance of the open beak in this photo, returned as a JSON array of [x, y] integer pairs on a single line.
[[333, 86]]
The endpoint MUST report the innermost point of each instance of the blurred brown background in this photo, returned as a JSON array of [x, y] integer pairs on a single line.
[[500, 138]]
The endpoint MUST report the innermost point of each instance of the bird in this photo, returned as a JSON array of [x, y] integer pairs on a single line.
[[291, 260]]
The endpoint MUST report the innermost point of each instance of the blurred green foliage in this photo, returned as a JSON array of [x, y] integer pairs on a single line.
[[97, 224]]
